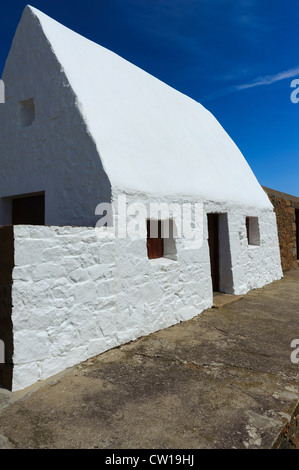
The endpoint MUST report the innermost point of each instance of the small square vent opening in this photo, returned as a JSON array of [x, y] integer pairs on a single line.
[[26, 112]]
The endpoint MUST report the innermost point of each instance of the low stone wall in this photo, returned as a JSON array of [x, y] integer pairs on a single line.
[[6, 333], [285, 206], [75, 295], [63, 300]]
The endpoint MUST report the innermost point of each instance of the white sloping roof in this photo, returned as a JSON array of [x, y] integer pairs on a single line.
[[150, 137]]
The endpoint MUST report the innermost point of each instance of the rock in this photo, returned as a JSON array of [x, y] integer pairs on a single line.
[[4, 443]]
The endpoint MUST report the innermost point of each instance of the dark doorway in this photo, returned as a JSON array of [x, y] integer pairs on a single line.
[[297, 231], [213, 230], [220, 253], [6, 367], [28, 210]]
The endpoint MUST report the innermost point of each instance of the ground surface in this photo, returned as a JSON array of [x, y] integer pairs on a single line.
[[221, 380]]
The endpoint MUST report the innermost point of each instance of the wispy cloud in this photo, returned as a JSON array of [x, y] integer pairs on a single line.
[[260, 81], [269, 79]]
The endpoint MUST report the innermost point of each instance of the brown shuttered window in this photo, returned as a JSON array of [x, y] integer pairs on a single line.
[[154, 239]]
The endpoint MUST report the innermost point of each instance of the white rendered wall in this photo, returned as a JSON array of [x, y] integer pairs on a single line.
[[75, 296], [101, 121], [56, 153], [150, 137], [63, 300]]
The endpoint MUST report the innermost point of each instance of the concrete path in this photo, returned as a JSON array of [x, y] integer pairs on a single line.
[[221, 380]]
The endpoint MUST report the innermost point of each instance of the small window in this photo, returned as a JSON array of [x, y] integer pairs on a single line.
[[26, 112], [154, 239], [28, 210], [161, 239], [253, 231]]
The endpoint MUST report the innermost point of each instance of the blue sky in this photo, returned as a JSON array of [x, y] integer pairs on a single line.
[[237, 57]]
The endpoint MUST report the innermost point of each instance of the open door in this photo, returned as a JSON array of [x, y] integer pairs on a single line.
[[213, 229], [220, 254], [6, 353]]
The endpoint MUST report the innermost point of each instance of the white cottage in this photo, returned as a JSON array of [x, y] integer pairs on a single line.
[[81, 126]]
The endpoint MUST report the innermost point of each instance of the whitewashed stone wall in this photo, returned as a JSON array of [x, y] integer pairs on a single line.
[[63, 300], [61, 157], [75, 296], [254, 266]]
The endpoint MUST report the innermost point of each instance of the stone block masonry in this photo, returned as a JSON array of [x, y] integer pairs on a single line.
[[285, 207], [67, 295], [76, 296], [63, 300], [6, 333]]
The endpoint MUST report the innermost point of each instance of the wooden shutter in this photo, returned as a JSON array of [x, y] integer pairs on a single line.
[[154, 245], [213, 229]]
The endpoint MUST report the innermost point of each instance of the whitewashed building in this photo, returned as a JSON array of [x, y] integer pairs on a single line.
[[82, 126]]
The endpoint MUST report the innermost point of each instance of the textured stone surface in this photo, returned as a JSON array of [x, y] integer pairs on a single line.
[[4, 443], [289, 438], [90, 141], [221, 300], [75, 296], [6, 329], [63, 306], [285, 206], [223, 379]]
